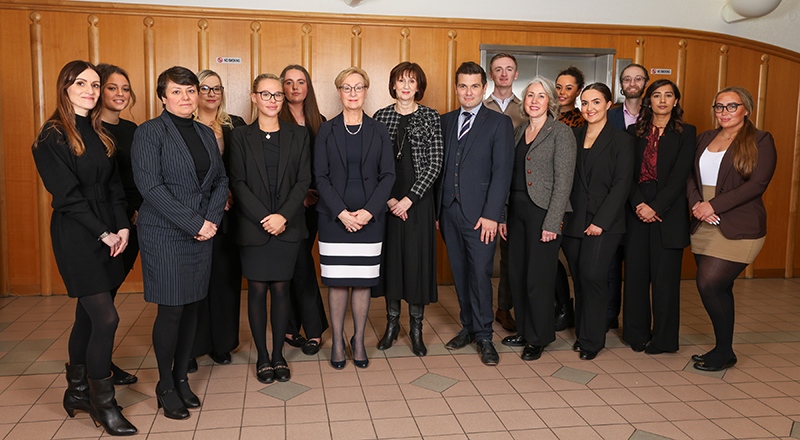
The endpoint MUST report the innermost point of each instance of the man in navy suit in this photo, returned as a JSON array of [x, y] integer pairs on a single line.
[[473, 186]]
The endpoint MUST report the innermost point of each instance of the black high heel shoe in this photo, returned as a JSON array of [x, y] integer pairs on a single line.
[[339, 364], [172, 403], [358, 363], [189, 398]]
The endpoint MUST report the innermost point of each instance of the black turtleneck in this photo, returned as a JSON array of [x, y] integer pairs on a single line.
[[202, 162]]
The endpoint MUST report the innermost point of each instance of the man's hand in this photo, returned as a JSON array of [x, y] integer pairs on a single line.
[[488, 229]]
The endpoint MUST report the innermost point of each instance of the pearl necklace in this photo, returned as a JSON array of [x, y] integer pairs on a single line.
[[359, 128]]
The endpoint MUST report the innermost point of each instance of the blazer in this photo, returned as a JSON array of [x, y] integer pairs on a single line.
[[330, 166], [617, 118], [486, 163], [165, 175], [602, 182], [250, 185], [736, 201], [512, 109], [673, 165], [549, 170]]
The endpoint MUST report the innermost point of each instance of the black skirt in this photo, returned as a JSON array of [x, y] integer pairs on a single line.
[[273, 261]]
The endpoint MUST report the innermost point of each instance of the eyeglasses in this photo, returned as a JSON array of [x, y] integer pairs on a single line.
[[266, 96], [205, 90], [628, 79], [731, 107], [359, 88]]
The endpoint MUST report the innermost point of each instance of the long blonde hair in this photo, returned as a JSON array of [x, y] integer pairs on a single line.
[[744, 151], [223, 118]]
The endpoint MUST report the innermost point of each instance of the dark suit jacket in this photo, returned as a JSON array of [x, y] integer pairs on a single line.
[[486, 163], [737, 202], [330, 166], [617, 118], [602, 182], [250, 185], [673, 165]]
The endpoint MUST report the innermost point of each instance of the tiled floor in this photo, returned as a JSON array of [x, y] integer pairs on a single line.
[[619, 395]]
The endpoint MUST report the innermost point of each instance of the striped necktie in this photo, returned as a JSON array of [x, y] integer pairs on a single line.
[[464, 126]]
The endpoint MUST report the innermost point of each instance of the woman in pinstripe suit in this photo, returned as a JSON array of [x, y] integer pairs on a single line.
[[179, 172]]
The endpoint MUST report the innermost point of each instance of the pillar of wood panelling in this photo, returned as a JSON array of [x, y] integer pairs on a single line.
[[4, 282], [202, 45], [638, 57], [722, 76], [791, 232], [355, 46], [43, 197], [451, 69], [255, 51], [405, 44], [681, 73], [94, 40], [150, 67], [305, 47], [761, 105]]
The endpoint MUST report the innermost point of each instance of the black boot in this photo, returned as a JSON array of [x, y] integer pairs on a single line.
[[105, 410], [77, 395], [392, 330], [415, 334], [565, 316]]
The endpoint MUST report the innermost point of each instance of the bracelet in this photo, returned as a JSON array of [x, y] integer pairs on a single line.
[[104, 235]]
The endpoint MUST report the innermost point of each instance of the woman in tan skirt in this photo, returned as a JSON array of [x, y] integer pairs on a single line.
[[733, 166]]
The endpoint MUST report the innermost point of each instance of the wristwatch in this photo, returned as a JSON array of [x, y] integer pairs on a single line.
[[104, 235]]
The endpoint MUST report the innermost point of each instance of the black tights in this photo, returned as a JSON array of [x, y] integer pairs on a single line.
[[173, 336], [359, 303], [279, 314], [92, 339], [715, 279]]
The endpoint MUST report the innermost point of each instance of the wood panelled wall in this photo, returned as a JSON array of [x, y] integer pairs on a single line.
[[39, 36]]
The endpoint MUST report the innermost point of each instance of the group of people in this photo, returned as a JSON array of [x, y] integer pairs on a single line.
[[206, 199]]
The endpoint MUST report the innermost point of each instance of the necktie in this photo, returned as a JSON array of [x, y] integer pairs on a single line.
[[465, 126]]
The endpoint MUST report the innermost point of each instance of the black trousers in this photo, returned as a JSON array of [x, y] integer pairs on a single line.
[[307, 309], [533, 267], [648, 263], [505, 300], [589, 259]]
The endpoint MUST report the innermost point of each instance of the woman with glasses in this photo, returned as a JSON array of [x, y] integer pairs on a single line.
[[657, 227], [409, 260], [354, 169], [218, 314], [732, 167], [270, 175]]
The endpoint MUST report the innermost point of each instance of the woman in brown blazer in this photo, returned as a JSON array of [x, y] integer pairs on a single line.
[[733, 166]]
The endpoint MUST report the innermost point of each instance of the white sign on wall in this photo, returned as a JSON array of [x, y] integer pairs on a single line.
[[228, 60], [661, 71]]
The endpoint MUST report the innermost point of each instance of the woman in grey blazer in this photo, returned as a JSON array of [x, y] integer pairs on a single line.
[[179, 172], [544, 164]]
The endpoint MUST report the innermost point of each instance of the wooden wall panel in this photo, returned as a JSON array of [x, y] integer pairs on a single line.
[[120, 41]]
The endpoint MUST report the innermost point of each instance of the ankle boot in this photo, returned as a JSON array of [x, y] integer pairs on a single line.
[[565, 316], [392, 330], [77, 395], [105, 410], [415, 334]]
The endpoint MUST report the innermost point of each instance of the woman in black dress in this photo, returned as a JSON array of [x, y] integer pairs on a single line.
[[117, 96], [218, 314], [270, 174], [300, 107], [179, 172], [408, 268], [354, 168], [89, 230]]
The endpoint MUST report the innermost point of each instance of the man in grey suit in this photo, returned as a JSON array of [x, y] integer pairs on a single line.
[[472, 192]]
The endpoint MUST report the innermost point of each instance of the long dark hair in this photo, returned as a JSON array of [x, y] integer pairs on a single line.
[[646, 115], [310, 107], [105, 71], [63, 117]]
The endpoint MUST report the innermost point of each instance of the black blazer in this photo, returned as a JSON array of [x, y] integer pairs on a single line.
[[250, 185], [602, 182], [330, 166], [673, 165], [616, 117], [486, 163]]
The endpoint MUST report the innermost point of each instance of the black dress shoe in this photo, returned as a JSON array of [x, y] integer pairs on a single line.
[[172, 404], [506, 320], [514, 341], [192, 365], [652, 350], [532, 352], [576, 346], [297, 340], [189, 398], [706, 367], [612, 323], [311, 347], [699, 358], [488, 353], [282, 373], [265, 373], [125, 379], [587, 355], [638, 347], [459, 341], [220, 358]]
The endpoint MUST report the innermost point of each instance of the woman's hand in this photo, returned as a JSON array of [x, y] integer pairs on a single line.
[[125, 235], [548, 236], [704, 212], [646, 213], [274, 224], [362, 216], [207, 232], [502, 231], [401, 208], [349, 221], [311, 198], [115, 243], [593, 230], [229, 203]]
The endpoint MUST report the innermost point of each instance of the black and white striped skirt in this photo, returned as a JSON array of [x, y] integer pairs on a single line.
[[350, 258]]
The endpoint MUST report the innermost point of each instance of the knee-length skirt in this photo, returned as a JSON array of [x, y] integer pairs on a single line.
[[350, 258]]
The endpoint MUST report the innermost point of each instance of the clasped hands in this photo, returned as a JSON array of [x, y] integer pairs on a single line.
[[117, 242], [646, 213], [704, 212], [354, 221], [274, 224], [400, 209], [207, 232]]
